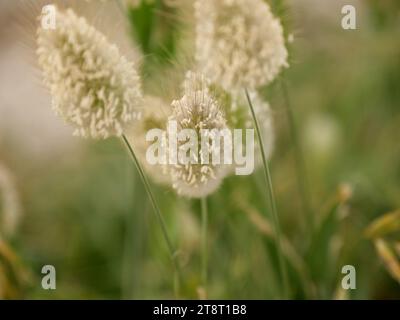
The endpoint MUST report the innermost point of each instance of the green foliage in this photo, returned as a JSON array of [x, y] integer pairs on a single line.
[[155, 27]]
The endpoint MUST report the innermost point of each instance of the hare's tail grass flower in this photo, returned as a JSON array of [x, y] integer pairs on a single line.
[[274, 211], [93, 87], [239, 43], [197, 109]]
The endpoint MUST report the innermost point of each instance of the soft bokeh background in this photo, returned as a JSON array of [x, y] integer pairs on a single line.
[[81, 207]]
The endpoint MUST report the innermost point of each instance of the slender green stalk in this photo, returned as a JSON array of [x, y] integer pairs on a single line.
[[126, 278], [299, 159], [204, 227], [274, 211], [159, 216]]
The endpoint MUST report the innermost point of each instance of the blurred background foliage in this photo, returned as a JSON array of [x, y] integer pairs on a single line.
[[85, 210]]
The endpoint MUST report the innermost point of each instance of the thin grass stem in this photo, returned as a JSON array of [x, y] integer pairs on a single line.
[[171, 248], [274, 211], [204, 234]]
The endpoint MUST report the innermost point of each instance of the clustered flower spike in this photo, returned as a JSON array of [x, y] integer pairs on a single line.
[[239, 43], [197, 109], [94, 88]]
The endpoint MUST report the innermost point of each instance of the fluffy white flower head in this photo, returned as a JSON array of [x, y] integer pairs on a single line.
[[239, 43], [197, 109], [93, 87]]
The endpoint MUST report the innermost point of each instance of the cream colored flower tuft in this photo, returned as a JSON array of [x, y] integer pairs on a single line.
[[94, 88], [239, 43], [154, 116], [197, 109]]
